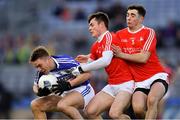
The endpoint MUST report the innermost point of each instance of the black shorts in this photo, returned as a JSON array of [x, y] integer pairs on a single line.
[[146, 91]]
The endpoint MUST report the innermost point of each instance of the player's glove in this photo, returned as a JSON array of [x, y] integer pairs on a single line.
[[43, 92], [77, 71], [61, 86]]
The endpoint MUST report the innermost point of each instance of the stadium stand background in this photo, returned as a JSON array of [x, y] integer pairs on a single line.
[[61, 25]]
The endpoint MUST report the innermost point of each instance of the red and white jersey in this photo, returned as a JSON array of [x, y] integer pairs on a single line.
[[133, 42], [118, 70]]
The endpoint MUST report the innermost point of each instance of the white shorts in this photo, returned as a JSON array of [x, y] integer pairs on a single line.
[[113, 90], [147, 83], [86, 91]]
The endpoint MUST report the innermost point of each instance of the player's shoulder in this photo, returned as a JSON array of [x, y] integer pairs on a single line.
[[121, 31], [63, 56], [148, 29], [113, 34]]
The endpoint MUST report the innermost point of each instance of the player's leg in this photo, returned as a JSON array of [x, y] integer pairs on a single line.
[[76, 99], [160, 108], [70, 104], [157, 91], [139, 100], [162, 104], [41, 105], [101, 102], [121, 102]]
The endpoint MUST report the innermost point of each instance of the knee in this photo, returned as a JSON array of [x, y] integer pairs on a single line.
[[91, 112], [152, 101], [114, 114], [35, 105], [62, 106], [139, 109], [139, 112]]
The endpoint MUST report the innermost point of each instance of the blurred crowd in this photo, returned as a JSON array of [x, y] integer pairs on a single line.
[[62, 27]]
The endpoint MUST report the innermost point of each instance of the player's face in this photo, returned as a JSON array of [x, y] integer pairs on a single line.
[[133, 19], [94, 28], [42, 65]]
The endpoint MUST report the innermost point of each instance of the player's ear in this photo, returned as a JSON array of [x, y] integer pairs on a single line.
[[102, 24], [141, 19]]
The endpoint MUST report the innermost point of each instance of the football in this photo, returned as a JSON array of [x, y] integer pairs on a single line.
[[47, 81]]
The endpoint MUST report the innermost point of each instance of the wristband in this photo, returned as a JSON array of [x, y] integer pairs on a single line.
[[80, 69]]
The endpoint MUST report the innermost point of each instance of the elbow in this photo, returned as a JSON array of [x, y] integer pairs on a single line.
[[107, 62], [145, 57], [143, 60]]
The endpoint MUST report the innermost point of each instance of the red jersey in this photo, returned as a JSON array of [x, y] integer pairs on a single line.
[[118, 70], [134, 42]]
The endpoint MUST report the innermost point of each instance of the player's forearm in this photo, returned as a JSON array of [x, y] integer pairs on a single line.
[[80, 79], [95, 65], [138, 57], [102, 62]]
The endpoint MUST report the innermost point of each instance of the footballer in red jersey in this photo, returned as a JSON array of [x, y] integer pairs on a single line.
[[138, 48], [116, 95]]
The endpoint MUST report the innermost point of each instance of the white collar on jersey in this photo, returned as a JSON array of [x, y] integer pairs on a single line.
[[136, 30], [101, 36], [55, 62]]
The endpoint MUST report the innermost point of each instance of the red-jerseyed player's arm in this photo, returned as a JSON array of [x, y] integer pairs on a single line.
[[102, 62], [106, 58], [82, 58], [144, 54], [80, 79], [141, 57]]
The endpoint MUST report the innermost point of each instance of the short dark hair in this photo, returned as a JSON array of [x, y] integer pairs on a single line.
[[38, 52], [100, 17], [141, 10]]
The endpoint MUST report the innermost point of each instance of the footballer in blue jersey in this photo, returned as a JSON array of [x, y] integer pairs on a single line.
[[77, 91], [63, 68]]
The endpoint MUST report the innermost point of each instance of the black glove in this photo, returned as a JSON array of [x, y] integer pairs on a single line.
[[61, 86], [43, 92]]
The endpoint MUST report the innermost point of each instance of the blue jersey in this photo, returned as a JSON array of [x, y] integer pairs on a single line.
[[64, 63]]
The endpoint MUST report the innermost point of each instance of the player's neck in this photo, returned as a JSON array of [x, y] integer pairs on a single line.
[[135, 28], [100, 37]]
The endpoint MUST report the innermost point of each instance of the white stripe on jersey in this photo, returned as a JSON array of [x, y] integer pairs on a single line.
[[108, 41], [149, 40], [65, 60], [145, 45]]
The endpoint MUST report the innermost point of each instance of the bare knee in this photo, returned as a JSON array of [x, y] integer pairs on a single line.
[[114, 114], [91, 112], [139, 110], [35, 105], [138, 107], [62, 106], [152, 101]]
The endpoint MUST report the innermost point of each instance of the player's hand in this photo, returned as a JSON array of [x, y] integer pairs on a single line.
[[43, 92], [82, 58], [61, 86], [116, 50], [77, 71]]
